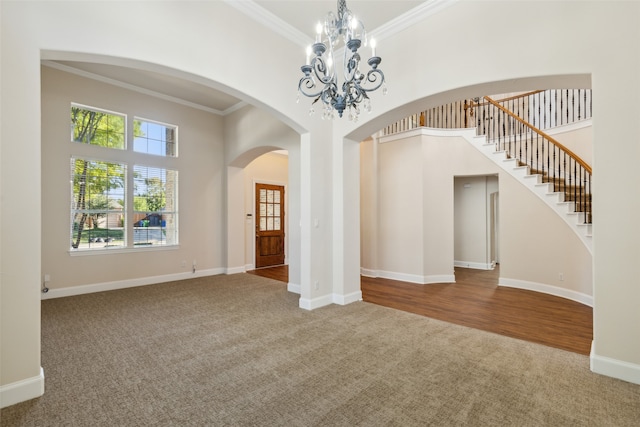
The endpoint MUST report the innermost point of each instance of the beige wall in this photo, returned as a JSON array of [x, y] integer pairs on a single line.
[[200, 187], [415, 229], [577, 138]]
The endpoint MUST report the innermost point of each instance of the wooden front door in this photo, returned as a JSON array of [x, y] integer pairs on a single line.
[[269, 225]]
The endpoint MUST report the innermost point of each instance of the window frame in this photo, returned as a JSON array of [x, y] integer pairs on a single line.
[[129, 160], [155, 122]]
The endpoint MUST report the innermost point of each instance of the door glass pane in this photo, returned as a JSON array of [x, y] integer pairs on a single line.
[[263, 209], [269, 224], [276, 210], [270, 209], [276, 223], [270, 196], [263, 224], [263, 195], [276, 197]]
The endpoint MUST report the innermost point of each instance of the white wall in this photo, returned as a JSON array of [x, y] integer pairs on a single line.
[[472, 210]]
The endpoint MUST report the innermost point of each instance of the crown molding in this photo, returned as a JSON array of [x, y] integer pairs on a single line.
[[271, 21], [394, 26], [134, 88], [417, 14]]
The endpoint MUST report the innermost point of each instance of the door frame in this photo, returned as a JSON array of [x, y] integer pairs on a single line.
[[251, 228]]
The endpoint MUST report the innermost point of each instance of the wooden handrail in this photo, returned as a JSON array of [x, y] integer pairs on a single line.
[[573, 155], [522, 95]]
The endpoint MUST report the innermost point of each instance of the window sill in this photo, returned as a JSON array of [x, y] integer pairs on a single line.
[[122, 250]]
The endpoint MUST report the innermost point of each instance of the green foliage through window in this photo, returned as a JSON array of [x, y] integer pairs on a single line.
[[98, 192], [96, 127], [101, 208]]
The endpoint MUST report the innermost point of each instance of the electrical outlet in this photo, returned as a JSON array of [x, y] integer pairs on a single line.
[[561, 277]]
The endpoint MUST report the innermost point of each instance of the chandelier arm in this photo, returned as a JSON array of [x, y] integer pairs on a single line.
[[306, 84], [321, 70], [320, 80], [376, 77]]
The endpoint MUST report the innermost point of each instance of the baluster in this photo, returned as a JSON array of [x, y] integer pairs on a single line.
[[544, 110], [555, 102], [579, 105]]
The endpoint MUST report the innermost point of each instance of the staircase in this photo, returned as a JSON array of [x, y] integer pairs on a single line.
[[560, 201], [506, 133]]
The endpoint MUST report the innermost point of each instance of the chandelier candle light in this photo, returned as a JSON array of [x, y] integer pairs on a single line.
[[320, 79]]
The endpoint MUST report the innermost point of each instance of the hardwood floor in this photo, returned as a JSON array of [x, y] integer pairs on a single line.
[[476, 301]]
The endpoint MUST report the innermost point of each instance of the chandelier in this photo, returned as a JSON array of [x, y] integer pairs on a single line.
[[320, 80]]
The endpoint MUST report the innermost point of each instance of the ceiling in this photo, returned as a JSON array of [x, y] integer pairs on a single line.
[[292, 16], [303, 15]]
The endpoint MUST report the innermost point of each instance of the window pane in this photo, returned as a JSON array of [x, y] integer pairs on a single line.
[[97, 205], [155, 206], [95, 127], [154, 138]]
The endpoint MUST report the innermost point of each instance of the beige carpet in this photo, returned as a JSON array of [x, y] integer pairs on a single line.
[[237, 351]]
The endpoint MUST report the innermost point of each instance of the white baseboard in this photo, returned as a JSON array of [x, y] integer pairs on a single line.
[[614, 368], [312, 304], [294, 288], [410, 278], [23, 390], [474, 265], [347, 299], [235, 270], [129, 283], [547, 289], [368, 273], [249, 267]]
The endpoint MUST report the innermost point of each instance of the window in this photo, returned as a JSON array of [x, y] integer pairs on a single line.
[[97, 205], [154, 138], [114, 202], [97, 127], [269, 210], [154, 205]]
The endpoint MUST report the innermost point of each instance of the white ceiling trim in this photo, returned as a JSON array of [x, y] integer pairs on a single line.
[[103, 79], [275, 24], [417, 14], [271, 21]]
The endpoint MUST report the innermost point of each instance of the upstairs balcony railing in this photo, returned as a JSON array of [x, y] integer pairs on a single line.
[[516, 125]]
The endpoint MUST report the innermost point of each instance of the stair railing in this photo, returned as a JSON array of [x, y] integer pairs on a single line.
[[531, 146], [545, 109]]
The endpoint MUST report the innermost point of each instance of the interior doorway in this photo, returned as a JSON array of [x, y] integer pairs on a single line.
[[270, 236]]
